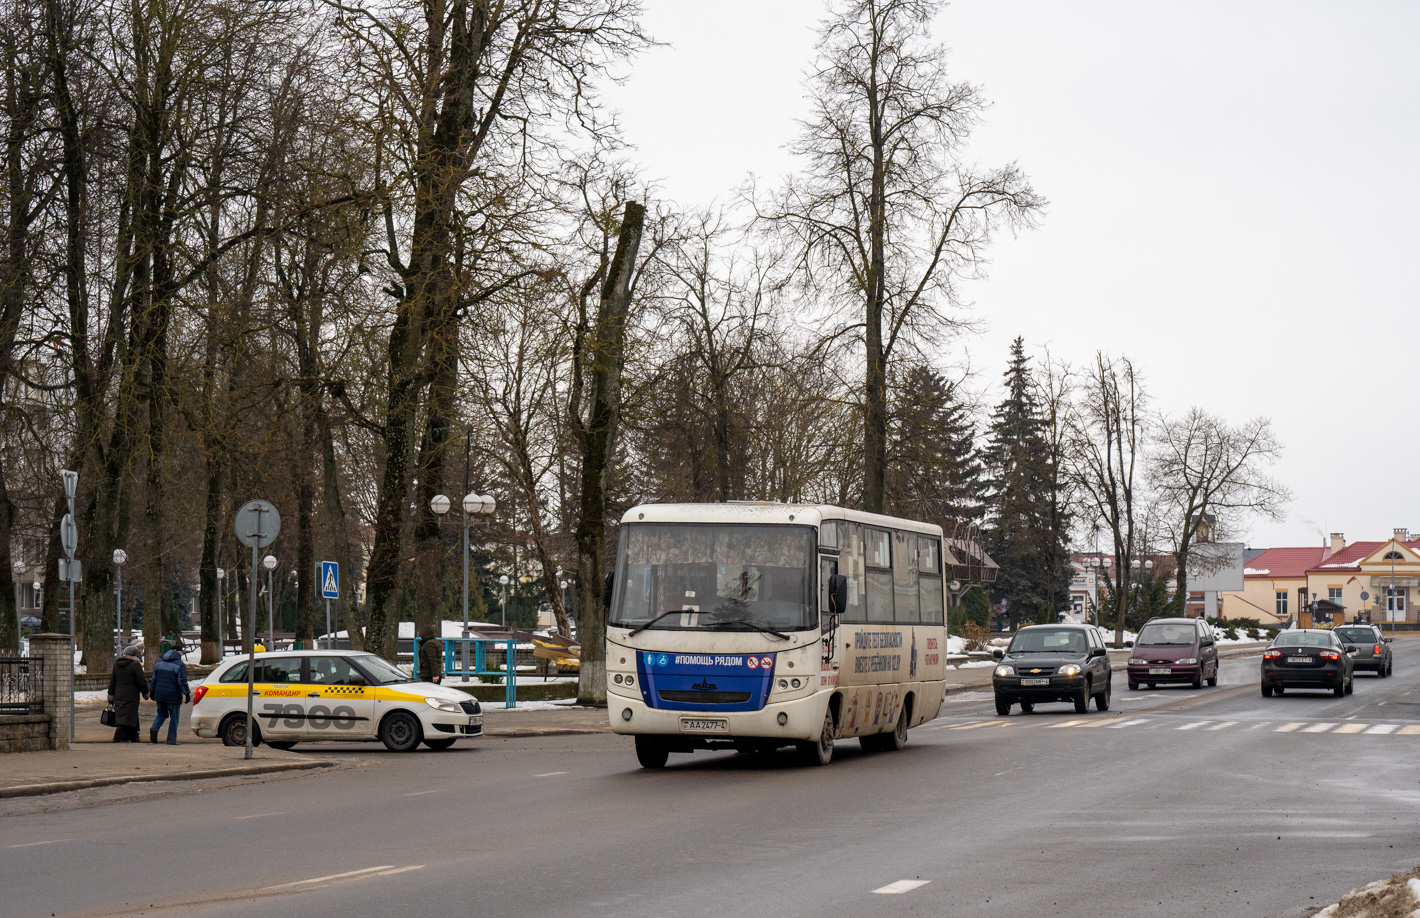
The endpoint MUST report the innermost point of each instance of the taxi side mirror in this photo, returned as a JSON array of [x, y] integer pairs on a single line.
[[356, 679]]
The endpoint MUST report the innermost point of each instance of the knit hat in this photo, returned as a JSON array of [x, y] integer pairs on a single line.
[[134, 651]]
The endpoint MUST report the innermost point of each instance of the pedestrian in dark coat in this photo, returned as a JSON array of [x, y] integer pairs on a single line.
[[431, 656], [125, 686], [168, 686]]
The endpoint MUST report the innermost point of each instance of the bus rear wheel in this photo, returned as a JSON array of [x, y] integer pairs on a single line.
[[821, 752], [652, 751]]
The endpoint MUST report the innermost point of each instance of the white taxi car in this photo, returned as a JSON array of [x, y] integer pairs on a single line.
[[330, 695]]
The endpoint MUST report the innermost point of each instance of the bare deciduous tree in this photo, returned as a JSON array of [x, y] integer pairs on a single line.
[[1202, 466], [884, 218]]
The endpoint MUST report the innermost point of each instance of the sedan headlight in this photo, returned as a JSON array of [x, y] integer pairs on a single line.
[[1070, 669], [1004, 670], [1187, 661], [440, 704], [1137, 661]]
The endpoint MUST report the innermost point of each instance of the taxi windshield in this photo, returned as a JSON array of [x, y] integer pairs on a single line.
[[382, 671]]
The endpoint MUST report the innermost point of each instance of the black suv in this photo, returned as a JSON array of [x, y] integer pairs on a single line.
[[1052, 663]]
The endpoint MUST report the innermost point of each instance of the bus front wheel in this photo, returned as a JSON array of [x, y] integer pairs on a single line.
[[652, 751], [821, 752]]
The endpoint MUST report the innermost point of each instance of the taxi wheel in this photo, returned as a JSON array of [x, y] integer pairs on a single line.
[[439, 743], [234, 731], [400, 732]]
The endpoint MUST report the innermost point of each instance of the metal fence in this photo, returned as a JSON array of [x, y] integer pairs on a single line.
[[20, 685]]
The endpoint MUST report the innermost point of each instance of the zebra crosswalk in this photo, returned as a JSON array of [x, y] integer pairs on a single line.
[[1348, 728]]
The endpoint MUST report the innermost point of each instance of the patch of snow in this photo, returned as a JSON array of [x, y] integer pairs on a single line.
[[1256, 572], [976, 664]]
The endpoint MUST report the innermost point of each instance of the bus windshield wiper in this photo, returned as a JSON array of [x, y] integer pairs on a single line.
[[755, 625], [658, 618]]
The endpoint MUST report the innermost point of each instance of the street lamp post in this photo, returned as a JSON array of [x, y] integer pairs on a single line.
[[504, 581], [221, 622], [473, 505], [269, 562], [120, 558], [19, 591]]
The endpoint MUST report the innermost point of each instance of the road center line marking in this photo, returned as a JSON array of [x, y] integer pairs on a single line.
[[259, 815], [53, 841], [1350, 728], [1288, 728], [550, 774], [390, 873], [1068, 723], [1318, 728], [1226, 723], [1129, 723], [1195, 725], [1409, 731], [420, 793], [984, 723], [1383, 728], [901, 886], [333, 876]]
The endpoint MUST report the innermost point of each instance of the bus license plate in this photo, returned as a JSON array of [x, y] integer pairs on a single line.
[[704, 725], [1159, 671], [1035, 682]]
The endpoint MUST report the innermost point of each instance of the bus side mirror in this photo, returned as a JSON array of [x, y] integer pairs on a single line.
[[606, 590], [837, 594]]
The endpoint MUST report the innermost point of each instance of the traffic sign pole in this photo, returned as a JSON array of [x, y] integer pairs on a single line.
[[69, 535], [330, 589], [257, 524]]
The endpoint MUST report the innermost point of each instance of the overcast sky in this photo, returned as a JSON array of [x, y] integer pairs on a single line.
[[1232, 196]]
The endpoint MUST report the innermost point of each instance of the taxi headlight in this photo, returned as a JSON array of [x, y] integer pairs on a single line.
[[439, 704], [1004, 670], [1070, 669]]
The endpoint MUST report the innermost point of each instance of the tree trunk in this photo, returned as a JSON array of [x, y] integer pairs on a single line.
[[607, 358]]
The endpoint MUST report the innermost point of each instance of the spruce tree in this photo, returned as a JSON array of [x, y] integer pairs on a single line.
[[1019, 532], [934, 474]]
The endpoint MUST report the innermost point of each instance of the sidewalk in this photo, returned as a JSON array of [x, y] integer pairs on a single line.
[[88, 765]]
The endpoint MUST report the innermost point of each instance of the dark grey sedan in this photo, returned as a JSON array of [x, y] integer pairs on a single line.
[[1372, 648], [1307, 658]]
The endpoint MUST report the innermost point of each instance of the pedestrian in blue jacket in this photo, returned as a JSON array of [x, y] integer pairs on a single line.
[[168, 687]]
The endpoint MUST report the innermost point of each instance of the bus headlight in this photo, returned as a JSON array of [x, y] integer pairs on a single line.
[[616, 678]]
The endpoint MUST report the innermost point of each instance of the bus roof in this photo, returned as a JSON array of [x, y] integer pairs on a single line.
[[767, 513]]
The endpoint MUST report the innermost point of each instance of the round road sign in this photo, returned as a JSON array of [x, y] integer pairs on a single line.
[[257, 524]]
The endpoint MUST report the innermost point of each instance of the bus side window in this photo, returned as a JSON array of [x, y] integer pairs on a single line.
[[850, 565], [904, 578], [878, 552], [929, 567]]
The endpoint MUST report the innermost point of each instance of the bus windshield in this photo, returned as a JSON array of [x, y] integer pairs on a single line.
[[716, 576]]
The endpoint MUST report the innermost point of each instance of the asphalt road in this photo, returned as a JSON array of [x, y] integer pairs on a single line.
[[1216, 802]]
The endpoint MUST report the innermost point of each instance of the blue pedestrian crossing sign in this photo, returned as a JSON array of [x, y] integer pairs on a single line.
[[329, 580]]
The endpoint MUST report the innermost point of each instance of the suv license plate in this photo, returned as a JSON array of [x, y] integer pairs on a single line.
[[1035, 682], [1160, 670], [1299, 659], [703, 725]]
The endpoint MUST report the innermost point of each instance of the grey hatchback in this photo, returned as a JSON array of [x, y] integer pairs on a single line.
[[1372, 648]]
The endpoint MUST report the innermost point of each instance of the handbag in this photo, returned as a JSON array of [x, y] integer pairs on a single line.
[[108, 718]]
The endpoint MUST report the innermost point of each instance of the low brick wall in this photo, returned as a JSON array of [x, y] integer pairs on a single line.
[[527, 691], [24, 732]]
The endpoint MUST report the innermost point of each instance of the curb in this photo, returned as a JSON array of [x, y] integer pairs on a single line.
[[60, 787], [545, 731]]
